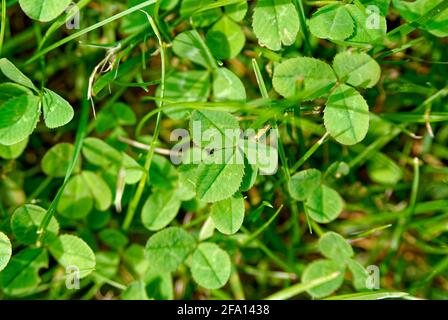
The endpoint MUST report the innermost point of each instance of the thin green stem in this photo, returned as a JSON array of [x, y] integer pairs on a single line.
[[141, 186]]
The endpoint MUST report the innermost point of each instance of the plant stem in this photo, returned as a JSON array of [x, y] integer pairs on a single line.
[[141, 186]]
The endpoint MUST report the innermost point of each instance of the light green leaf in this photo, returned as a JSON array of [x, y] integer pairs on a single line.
[[276, 22], [332, 22], [237, 11], [44, 10], [250, 176], [160, 209], [214, 129], [220, 179], [359, 274], [189, 86], [227, 86], [346, 115], [14, 74], [136, 291], [133, 170], [189, 10], [335, 247], [76, 201], [357, 69], [57, 160], [225, 39], [26, 221], [228, 214], [303, 183], [382, 169], [210, 266], [71, 251], [306, 78], [366, 30], [101, 154], [411, 11], [5, 251], [14, 151], [9, 90], [324, 204], [99, 189], [22, 113], [116, 114], [322, 268], [57, 111], [21, 275], [189, 45], [168, 248]]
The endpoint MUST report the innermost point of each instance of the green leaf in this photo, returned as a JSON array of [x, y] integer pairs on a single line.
[[210, 266], [21, 275], [167, 249], [160, 209], [220, 179], [237, 11], [324, 204], [357, 69], [225, 39], [332, 22], [214, 129], [26, 221], [116, 114], [227, 86], [56, 161], [189, 86], [71, 251], [366, 32], [250, 176], [44, 10], [76, 201], [346, 115], [135, 291], [276, 22], [99, 189], [189, 45], [133, 170], [101, 154], [302, 77], [322, 268], [14, 151], [228, 214], [335, 247], [189, 10], [303, 183], [5, 251], [14, 74], [412, 11], [22, 114], [359, 274], [382, 169], [57, 111], [9, 90], [114, 239]]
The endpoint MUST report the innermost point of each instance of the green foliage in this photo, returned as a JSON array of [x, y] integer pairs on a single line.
[[26, 221], [168, 248], [210, 266], [44, 10], [275, 23], [218, 148], [347, 115], [71, 251], [228, 215], [5, 251]]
